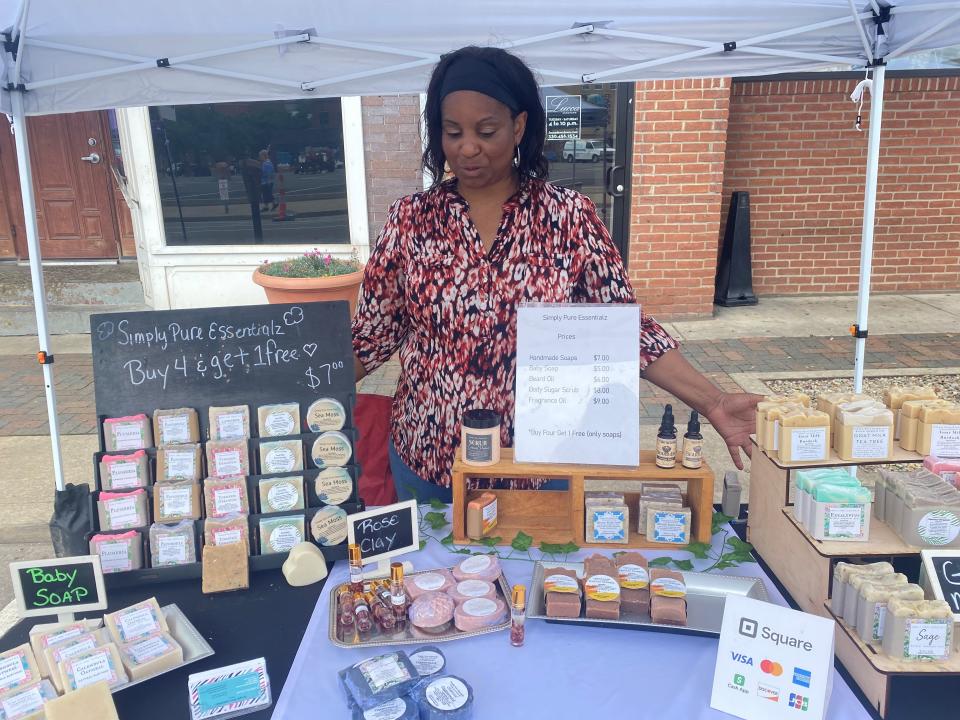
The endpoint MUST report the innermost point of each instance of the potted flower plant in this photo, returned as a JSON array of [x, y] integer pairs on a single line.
[[314, 276]]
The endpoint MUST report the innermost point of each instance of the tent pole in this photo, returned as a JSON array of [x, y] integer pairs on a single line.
[[36, 275], [869, 208]]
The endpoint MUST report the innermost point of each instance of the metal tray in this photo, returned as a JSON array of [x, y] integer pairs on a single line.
[[411, 635], [706, 596], [195, 647]]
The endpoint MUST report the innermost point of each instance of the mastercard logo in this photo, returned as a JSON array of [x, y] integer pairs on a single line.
[[771, 668]]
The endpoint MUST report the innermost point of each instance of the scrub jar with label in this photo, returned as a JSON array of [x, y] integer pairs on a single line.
[[480, 437]]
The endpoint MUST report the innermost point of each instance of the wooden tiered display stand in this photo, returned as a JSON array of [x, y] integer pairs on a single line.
[[804, 566], [557, 516]]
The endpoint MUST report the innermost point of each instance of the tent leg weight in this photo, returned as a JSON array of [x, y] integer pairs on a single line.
[[734, 281]]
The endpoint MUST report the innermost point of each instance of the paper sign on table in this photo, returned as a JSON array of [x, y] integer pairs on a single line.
[[229, 691], [578, 384], [772, 662]]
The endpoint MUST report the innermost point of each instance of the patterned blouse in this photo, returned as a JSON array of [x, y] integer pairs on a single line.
[[431, 291]]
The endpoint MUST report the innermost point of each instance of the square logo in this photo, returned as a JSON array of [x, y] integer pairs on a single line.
[[801, 677], [799, 702], [768, 692], [748, 627], [739, 680]]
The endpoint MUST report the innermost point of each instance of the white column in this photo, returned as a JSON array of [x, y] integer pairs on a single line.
[[356, 175]]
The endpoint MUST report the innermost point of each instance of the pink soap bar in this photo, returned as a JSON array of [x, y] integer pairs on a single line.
[[947, 468]]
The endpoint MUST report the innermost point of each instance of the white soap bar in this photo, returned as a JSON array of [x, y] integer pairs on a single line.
[[151, 656], [101, 664], [135, 622], [93, 702], [278, 420]]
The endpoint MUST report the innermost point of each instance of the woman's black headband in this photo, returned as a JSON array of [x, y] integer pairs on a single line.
[[472, 73]]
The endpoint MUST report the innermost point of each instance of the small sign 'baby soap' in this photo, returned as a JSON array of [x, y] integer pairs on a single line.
[[63, 585]]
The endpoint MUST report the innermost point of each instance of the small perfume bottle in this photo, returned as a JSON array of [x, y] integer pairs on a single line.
[[398, 596], [356, 568], [382, 613], [345, 608], [361, 612], [518, 615]]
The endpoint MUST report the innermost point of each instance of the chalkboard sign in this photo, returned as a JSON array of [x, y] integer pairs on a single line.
[[252, 355], [941, 575], [64, 585], [563, 117], [386, 531]]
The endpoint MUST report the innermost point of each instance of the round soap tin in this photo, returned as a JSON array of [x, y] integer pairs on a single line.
[[326, 414], [332, 449], [333, 485], [329, 525]]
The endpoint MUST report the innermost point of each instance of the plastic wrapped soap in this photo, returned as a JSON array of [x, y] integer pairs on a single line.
[[176, 501], [432, 612], [132, 432], [401, 708], [280, 419], [172, 544], [43, 637], [281, 494], [329, 525], [326, 414], [18, 668], [227, 458], [428, 660], [119, 552], [122, 510], [280, 534], [136, 622], [376, 680], [445, 698], [226, 530], [179, 462], [331, 449], [27, 703], [333, 485], [229, 423], [100, 664], [151, 655], [176, 427], [281, 456], [124, 472], [225, 496]]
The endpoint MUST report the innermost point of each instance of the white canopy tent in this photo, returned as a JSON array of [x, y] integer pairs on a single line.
[[83, 55]]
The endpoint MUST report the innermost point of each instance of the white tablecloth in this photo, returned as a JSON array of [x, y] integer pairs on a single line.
[[561, 671]]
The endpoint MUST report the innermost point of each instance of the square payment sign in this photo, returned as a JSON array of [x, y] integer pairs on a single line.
[[772, 662]]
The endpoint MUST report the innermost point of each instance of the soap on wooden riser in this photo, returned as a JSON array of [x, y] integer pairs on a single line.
[[94, 702], [229, 423], [136, 621], [151, 655], [176, 427], [225, 568], [124, 472], [172, 544], [100, 664], [179, 462], [280, 419], [176, 501]]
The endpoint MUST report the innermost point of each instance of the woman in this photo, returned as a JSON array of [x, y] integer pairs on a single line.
[[452, 263]]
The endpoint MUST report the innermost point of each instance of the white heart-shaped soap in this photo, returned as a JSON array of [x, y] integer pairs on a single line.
[[305, 566]]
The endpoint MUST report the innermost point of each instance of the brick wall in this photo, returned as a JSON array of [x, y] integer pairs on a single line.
[[391, 140], [793, 146], [679, 145]]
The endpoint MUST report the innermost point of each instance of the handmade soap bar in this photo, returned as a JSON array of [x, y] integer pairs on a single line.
[[93, 702], [910, 420], [331, 449], [918, 630], [228, 458], [281, 494], [841, 578], [872, 606], [770, 419], [136, 622], [865, 434], [804, 436], [281, 456], [607, 523], [478, 613], [946, 468], [226, 530], [433, 581], [100, 664], [896, 395], [329, 525], [807, 480], [279, 419], [225, 496], [326, 414], [56, 654], [280, 534], [229, 423], [770, 402], [445, 698], [124, 472], [179, 462], [634, 577], [173, 544], [939, 431], [469, 589], [668, 591], [840, 512], [561, 589], [132, 432], [225, 568], [43, 637], [119, 552], [851, 598], [481, 515], [176, 427], [478, 567], [122, 510], [376, 680], [668, 526], [18, 668], [662, 501], [333, 485], [601, 588], [176, 501], [428, 660], [931, 521], [432, 612], [151, 655], [26, 703], [305, 565]]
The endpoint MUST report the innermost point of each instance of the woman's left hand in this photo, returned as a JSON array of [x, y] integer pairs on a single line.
[[734, 417]]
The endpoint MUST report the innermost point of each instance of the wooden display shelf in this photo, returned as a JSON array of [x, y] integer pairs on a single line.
[[883, 542], [899, 456], [895, 687], [557, 516]]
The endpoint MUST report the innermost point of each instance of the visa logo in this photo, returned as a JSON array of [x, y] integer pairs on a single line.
[[741, 658]]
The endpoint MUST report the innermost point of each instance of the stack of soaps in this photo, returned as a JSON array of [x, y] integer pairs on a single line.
[[770, 411], [918, 630], [864, 430], [947, 468], [833, 505], [896, 395], [804, 436], [921, 507], [910, 412], [939, 431], [606, 518]]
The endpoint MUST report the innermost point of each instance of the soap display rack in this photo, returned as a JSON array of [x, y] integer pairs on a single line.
[[558, 516]]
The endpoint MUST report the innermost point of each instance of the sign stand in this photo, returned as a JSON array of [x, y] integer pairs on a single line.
[[384, 533], [60, 587]]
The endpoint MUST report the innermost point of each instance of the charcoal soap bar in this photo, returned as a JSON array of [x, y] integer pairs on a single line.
[[376, 680], [445, 698]]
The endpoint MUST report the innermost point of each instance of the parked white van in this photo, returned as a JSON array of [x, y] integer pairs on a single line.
[[591, 150]]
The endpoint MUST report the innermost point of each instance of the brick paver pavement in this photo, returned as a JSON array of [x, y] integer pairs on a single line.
[[23, 407]]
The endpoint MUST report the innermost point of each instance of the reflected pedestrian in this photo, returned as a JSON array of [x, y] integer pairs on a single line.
[[267, 174]]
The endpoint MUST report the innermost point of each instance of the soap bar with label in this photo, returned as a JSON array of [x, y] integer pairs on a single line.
[[939, 431], [229, 423], [136, 621], [333, 485], [47, 635], [281, 494], [26, 703], [331, 449], [176, 501], [561, 591], [634, 577], [151, 655], [100, 664], [804, 437], [910, 413], [227, 530], [132, 432], [227, 458], [18, 668], [225, 496], [896, 395], [176, 427], [124, 472], [281, 456], [670, 526], [280, 419], [481, 515], [771, 426], [179, 462], [172, 544], [93, 702], [122, 510], [865, 434], [326, 414], [920, 630], [607, 523], [280, 534], [444, 698], [119, 552], [376, 680], [56, 654]]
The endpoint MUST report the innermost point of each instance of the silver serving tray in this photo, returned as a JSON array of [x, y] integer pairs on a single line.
[[195, 647], [410, 635], [706, 596]]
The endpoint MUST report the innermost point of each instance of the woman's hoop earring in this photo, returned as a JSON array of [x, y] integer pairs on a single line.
[[516, 157]]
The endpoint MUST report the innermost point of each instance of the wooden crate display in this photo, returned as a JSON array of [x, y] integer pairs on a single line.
[[557, 516]]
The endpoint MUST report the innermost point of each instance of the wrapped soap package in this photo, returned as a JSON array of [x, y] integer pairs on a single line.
[[225, 496], [151, 655], [280, 534], [401, 708], [228, 458], [136, 622], [124, 472], [229, 423], [172, 544], [179, 462], [43, 637], [57, 654], [100, 664], [226, 530], [176, 427], [132, 432], [176, 501], [607, 521], [561, 592], [279, 419], [374, 681], [18, 668], [123, 510], [281, 456], [281, 494], [26, 703], [444, 698], [119, 552]]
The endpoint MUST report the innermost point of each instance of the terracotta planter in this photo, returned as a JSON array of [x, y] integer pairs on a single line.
[[295, 290]]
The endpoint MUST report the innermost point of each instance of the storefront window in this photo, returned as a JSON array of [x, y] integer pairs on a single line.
[[252, 173]]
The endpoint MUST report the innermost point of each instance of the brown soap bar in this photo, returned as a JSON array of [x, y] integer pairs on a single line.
[[634, 578], [225, 568], [176, 501], [176, 427], [179, 462], [227, 530], [124, 472], [226, 496], [133, 432], [668, 610], [601, 588], [229, 423], [561, 589], [172, 544], [227, 458]]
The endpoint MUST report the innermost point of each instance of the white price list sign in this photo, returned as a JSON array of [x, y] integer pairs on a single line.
[[578, 384]]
